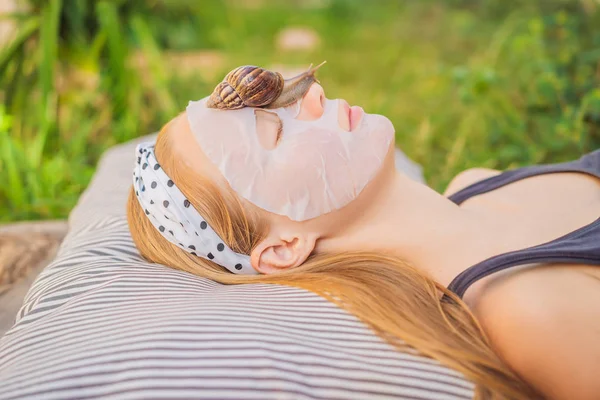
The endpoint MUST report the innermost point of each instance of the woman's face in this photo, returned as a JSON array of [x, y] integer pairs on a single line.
[[301, 161]]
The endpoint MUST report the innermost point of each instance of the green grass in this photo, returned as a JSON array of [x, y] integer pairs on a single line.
[[498, 84]]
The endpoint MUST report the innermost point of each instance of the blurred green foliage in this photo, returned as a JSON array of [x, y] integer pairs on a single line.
[[490, 83]]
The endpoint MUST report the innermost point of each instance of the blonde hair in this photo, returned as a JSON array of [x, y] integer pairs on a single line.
[[397, 301]]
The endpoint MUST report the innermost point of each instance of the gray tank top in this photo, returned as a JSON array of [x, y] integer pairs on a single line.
[[581, 246]]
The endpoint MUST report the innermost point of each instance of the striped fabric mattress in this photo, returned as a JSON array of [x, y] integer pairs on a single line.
[[100, 322]]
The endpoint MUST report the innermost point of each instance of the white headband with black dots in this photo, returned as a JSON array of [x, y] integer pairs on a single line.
[[171, 213]]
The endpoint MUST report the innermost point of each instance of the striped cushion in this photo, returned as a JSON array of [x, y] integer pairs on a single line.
[[101, 322]]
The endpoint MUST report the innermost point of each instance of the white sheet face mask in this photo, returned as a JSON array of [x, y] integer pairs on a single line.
[[314, 168]]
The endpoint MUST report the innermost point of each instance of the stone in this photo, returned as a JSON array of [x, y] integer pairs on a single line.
[[26, 248]]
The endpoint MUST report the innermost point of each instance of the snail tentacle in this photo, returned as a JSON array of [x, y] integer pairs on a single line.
[[296, 87]]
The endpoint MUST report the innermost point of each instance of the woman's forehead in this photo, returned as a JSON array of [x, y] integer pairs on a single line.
[[190, 152]]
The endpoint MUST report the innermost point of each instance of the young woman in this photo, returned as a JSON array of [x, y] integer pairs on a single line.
[[498, 277]]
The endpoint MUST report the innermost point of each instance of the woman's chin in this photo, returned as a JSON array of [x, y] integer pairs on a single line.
[[382, 127]]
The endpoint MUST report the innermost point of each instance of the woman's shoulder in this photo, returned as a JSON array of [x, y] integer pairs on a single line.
[[469, 177], [544, 322]]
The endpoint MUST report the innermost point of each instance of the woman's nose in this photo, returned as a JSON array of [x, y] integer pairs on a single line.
[[312, 105]]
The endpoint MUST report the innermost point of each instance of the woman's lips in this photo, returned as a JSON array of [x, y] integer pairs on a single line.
[[355, 114]]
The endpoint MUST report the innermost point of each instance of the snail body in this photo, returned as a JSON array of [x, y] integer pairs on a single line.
[[252, 86]]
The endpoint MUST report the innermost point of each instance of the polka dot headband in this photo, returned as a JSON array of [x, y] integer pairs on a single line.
[[171, 213]]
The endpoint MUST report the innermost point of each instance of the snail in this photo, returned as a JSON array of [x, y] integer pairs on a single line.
[[252, 86]]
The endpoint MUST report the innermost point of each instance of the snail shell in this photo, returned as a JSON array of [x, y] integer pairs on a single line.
[[252, 86], [246, 86]]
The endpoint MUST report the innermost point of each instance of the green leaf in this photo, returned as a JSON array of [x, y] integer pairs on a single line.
[[26, 31], [156, 62], [13, 187], [48, 57], [118, 75]]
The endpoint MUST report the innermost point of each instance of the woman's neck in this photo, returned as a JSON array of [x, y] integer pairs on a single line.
[[419, 225]]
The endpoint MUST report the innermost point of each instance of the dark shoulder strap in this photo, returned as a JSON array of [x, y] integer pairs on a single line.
[[581, 246], [589, 163]]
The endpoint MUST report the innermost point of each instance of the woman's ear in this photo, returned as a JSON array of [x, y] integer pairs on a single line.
[[280, 252]]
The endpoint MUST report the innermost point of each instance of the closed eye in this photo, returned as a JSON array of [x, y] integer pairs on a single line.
[[269, 128]]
